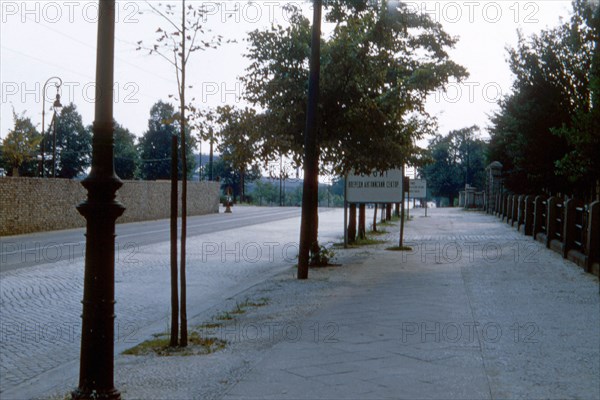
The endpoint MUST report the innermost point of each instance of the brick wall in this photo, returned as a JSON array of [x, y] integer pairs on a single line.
[[36, 204]]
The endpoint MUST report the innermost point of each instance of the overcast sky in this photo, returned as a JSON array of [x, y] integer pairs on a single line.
[[43, 39]]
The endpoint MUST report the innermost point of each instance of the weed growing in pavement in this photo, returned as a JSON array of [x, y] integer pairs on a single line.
[[224, 316], [240, 308], [322, 258], [399, 248], [197, 345], [210, 325], [377, 233]]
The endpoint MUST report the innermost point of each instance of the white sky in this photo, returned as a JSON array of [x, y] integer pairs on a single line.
[[41, 39]]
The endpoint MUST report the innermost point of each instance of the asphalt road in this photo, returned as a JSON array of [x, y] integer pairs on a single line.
[[50, 247], [41, 284]]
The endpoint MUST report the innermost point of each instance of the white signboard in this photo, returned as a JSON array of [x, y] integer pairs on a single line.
[[376, 187], [418, 188]]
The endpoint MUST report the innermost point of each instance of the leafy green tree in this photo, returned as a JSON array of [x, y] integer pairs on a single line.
[[155, 144], [73, 144], [240, 141], [581, 165], [378, 67], [20, 147], [265, 193], [233, 177], [205, 123], [549, 109], [455, 160], [126, 154]]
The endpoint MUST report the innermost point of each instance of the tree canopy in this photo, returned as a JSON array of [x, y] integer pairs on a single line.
[[377, 69], [73, 143], [456, 159], [546, 131], [20, 147], [155, 144]]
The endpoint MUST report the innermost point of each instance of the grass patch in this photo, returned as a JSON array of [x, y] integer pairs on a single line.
[[197, 345], [210, 325], [261, 302], [359, 243], [398, 248], [224, 316], [367, 242], [378, 232], [239, 309]]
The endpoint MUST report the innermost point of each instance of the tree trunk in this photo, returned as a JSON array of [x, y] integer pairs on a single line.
[[314, 238], [397, 212], [210, 161], [183, 307], [401, 241], [362, 217], [311, 154], [375, 218], [352, 224], [388, 212], [241, 188], [174, 281]]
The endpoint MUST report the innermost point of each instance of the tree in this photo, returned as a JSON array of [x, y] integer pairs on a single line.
[[73, 143], [454, 161], [265, 192], [240, 141], [581, 165], [233, 177], [176, 46], [547, 109], [19, 148], [155, 144], [126, 154], [205, 123], [377, 69]]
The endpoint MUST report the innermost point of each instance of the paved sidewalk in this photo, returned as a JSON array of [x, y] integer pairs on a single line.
[[475, 311]]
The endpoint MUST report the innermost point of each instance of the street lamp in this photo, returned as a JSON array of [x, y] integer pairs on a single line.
[[100, 209], [55, 104]]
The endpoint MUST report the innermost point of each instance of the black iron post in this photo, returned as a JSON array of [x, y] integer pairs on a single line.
[[56, 106], [100, 210], [56, 102], [210, 161], [311, 163], [54, 145]]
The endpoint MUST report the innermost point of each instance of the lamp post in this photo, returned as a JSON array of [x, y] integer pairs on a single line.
[[55, 104], [56, 107], [100, 210]]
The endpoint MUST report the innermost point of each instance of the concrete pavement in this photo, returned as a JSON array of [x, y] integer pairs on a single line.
[[474, 311]]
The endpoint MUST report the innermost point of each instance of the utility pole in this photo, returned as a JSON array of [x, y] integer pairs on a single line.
[[311, 162]]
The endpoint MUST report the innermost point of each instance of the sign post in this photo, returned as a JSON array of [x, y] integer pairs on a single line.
[[418, 189], [376, 187], [346, 211]]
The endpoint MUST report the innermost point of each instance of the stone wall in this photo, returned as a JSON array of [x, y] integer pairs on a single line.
[[41, 204]]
